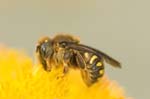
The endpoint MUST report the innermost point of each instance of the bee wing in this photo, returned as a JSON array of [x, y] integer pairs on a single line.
[[100, 54]]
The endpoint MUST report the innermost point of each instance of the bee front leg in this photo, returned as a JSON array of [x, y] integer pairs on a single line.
[[49, 67]]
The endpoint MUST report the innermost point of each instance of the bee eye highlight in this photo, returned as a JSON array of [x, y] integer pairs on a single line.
[[43, 48]]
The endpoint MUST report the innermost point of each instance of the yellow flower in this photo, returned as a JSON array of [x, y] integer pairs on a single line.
[[21, 79]]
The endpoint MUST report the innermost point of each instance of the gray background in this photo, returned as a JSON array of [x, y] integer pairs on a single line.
[[118, 27]]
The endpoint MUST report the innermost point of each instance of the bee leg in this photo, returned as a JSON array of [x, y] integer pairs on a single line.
[[67, 56], [48, 67], [45, 64], [83, 68], [66, 69], [80, 61], [66, 60]]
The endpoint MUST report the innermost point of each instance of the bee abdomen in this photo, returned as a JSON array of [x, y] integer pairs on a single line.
[[96, 68]]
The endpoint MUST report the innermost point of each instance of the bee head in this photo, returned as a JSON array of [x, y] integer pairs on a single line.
[[45, 48]]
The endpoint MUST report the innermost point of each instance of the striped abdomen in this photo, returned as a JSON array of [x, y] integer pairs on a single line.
[[94, 68]]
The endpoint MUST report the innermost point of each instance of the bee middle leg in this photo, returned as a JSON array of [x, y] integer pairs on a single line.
[[64, 72], [67, 58], [66, 62]]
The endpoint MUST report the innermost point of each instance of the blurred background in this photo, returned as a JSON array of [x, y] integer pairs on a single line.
[[118, 27]]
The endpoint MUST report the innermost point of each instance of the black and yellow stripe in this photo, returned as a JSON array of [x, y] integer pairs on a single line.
[[96, 68]]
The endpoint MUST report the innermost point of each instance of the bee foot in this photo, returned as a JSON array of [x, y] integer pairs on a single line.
[[65, 70], [61, 76]]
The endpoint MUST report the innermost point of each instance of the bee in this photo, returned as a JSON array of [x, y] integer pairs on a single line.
[[70, 53]]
